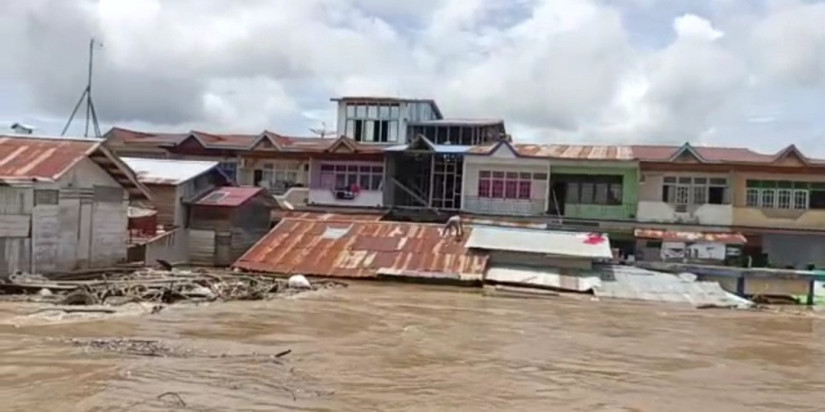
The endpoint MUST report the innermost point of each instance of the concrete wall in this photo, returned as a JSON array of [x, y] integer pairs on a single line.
[[652, 209], [774, 218]]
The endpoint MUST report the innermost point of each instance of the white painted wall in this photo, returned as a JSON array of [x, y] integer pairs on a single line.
[[502, 161], [661, 212], [366, 198]]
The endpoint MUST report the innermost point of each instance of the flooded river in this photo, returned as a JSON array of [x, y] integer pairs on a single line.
[[383, 347]]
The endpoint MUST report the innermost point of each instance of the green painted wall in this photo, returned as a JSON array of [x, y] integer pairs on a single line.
[[630, 193]]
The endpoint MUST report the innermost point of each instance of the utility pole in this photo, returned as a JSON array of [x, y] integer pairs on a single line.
[[91, 114]]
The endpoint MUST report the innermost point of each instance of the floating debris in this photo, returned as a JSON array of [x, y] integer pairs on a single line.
[[158, 287]]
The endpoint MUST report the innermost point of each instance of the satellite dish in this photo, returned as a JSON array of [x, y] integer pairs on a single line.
[[322, 132]]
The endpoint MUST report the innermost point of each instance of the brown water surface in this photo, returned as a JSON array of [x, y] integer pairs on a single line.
[[409, 348]]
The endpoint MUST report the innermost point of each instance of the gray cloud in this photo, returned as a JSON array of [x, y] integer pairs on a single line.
[[563, 69]]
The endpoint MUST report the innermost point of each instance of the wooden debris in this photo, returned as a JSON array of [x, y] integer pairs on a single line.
[[157, 287]]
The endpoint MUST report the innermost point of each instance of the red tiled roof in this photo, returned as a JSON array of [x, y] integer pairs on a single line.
[[358, 249], [229, 196], [42, 158]]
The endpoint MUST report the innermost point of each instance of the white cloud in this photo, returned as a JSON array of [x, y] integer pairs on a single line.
[[691, 26], [554, 69]]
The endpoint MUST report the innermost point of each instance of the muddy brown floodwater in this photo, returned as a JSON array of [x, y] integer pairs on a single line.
[[407, 348]]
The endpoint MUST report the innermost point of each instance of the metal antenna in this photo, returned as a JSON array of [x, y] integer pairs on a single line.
[[91, 113]]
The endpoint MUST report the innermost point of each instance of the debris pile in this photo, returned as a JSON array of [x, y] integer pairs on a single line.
[[157, 287], [157, 348]]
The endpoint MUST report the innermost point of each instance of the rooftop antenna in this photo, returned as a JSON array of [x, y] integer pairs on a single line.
[[91, 113]]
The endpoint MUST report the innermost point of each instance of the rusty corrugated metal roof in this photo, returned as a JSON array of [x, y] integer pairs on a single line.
[[352, 249], [586, 152], [241, 142], [324, 216], [562, 151], [677, 236], [40, 158], [229, 196], [27, 157]]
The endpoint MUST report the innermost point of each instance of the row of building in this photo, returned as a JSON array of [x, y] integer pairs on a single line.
[[403, 155], [65, 203]]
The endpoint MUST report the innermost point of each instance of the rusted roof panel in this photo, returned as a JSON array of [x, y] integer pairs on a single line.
[[240, 141], [40, 158], [586, 152], [715, 154], [229, 196], [353, 249], [563, 151], [323, 216], [675, 236]]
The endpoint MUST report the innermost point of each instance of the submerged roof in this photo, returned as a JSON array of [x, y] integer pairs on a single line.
[[40, 158], [549, 242], [229, 196], [359, 249], [167, 171]]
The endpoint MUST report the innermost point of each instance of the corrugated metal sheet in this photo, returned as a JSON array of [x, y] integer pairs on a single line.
[[109, 233], [676, 236], [167, 171], [628, 282], [229, 196], [46, 238], [585, 152], [14, 255], [15, 225], [550, 278], [16, 200], [26, 158], [562, 151], [44, 158], [118, 137], [550, 242], [202, 247], [360, 249], [294, 214], [655, 153]]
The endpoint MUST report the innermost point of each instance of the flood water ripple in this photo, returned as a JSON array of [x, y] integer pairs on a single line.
[[377, 347]]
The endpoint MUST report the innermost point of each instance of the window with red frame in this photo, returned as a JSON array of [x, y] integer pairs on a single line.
[[506, 185]]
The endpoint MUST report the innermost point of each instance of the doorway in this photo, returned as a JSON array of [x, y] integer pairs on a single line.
[[558, 192]]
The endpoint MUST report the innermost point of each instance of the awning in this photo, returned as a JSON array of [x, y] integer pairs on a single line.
[[678, 236]]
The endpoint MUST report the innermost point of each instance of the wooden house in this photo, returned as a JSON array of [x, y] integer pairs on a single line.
[[226, 222]]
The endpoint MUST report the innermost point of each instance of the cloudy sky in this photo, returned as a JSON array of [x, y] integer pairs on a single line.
[[723, 72]]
